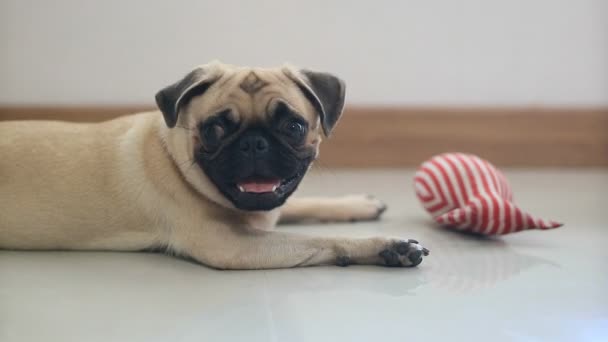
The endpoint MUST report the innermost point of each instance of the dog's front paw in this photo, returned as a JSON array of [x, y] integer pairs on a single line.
[[403, 253]]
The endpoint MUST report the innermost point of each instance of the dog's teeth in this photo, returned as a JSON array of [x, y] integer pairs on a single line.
[[274, 188], [241, 189]]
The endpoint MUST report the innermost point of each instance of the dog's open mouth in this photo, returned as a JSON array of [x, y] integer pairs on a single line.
[[264, 186]]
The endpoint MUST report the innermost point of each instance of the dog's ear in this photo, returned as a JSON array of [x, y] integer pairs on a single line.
[[325, 91], [173, 97]]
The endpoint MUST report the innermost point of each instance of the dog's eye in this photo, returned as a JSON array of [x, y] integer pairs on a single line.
[[294, 129], [212, 134]]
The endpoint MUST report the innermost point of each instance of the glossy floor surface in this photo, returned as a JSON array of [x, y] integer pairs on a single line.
[[530, 286]]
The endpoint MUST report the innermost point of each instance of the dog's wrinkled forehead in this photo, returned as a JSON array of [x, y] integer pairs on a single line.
[[251, 94]]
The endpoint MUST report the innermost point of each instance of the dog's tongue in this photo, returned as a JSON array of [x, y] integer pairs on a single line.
[[259, 186]]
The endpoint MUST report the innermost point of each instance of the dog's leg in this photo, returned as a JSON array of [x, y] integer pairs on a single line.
[[332, 209], [234, 248]]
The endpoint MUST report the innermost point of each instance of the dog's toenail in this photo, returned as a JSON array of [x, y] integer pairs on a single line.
[[382, 209]]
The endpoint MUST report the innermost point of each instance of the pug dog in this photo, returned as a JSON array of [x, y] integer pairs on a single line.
[[207, 177]]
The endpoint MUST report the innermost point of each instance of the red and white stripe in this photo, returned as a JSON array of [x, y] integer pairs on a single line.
[[468, 193]]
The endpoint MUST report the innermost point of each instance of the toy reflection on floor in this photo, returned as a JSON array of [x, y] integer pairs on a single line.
[[467, 193]]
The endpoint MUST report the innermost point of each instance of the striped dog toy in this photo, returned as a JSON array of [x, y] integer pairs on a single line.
[[467, 193]]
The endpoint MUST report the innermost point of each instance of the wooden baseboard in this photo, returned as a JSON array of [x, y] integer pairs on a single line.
[[370, 137]]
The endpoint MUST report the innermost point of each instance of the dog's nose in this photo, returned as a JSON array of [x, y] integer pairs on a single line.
[[253, 145]]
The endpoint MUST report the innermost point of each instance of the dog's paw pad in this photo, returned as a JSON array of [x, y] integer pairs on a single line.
[[391, 258], [343, 261], [415, 258], [403, 254]]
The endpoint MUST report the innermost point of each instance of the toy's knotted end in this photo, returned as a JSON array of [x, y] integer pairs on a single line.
[[532, 222], [491, 215]]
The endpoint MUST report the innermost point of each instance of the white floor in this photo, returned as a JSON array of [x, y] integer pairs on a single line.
[[531, 286]]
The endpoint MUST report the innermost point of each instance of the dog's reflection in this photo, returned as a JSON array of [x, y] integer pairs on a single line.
[[459, 263], [467, 263]]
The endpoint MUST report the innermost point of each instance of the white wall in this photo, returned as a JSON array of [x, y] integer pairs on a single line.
[[413, 52]]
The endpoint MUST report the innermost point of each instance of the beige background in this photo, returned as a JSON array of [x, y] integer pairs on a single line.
[[414, 52]]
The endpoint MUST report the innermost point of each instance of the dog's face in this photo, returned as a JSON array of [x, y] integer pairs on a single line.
[[252, 132]]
